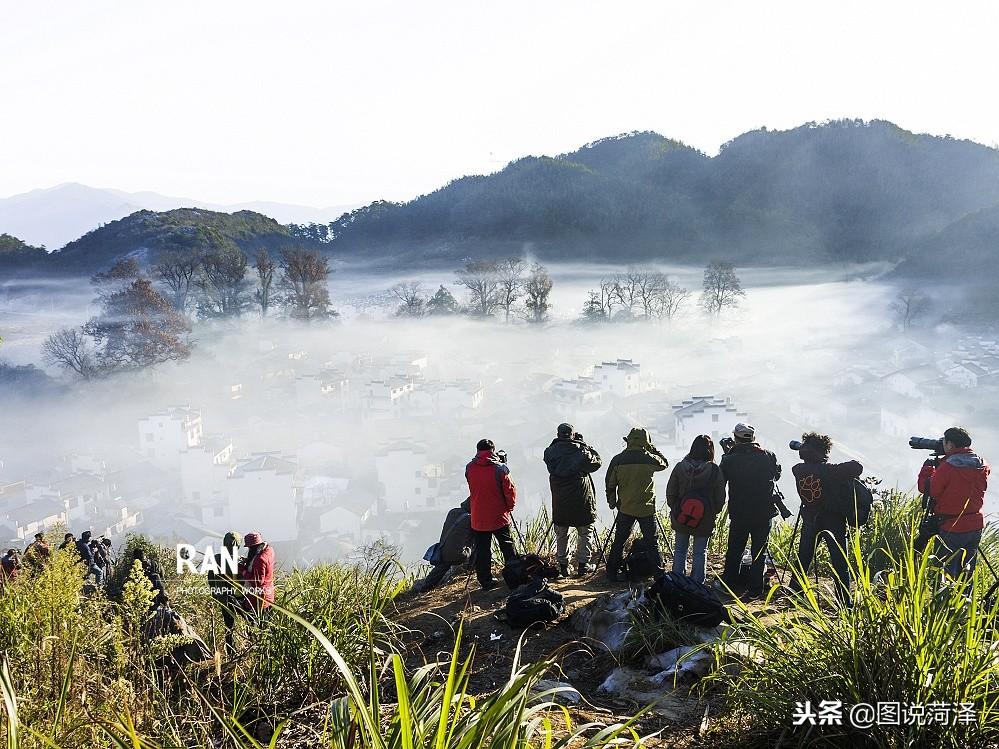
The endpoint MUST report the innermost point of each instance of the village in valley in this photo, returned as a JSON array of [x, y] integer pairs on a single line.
[[334, 451]]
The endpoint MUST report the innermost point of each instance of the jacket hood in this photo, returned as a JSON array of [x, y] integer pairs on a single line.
[[638, 439], [965, 458], [696, 469]]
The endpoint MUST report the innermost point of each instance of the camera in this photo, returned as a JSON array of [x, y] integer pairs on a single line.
[[727, 443], [927, 443], [501, 456], [794, 444]]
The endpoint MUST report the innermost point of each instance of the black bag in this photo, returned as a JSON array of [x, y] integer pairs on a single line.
[[524, 568], [853, 502], [533, 603], [640, 562], [685, 599]]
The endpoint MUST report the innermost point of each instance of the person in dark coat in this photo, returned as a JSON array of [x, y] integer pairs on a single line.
[[225, 586], [751, 473], [570, 462], [695, 494], [816, 479], [86, 553], [492, 498], [454, 549]]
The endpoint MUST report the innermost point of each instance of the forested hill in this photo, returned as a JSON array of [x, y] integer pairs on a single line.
[[145, 233], [841, 191]]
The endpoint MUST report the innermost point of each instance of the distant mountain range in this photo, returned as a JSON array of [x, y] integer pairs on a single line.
[[57, 215], [838, 192]]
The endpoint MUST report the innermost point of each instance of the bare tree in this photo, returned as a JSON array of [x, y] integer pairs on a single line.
[[722, 287], [510, 279], [909, 305], [413, 301], [304, 274], [537, 290], [481, 279], [222, 282], [264, 266], [177, 270], [626, 289], [70, 349], [670, 297]]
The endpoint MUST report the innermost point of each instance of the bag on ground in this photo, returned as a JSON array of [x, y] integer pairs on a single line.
[[533, 603], [640, 562], [687, 600], [524, 568]]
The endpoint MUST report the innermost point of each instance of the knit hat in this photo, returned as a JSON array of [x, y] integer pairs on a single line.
[[232, 539], [744, 431]]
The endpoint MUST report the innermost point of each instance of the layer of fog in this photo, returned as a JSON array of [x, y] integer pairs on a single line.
[[779, 357]]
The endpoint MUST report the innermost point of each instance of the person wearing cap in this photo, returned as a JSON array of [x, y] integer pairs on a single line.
[[492, 497], [957, 485], [816, 479], [454, 549], [750, 473], [570, 463], [257, 574], [224, 584], [631, 491], [38, 552], [86, 553]]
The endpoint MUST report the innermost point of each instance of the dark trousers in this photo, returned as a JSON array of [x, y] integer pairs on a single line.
[[757, 532], [433, 579], [832, 529], [622, 530], [484, 551]]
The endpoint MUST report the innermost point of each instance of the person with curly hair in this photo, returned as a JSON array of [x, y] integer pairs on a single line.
[[817, 480]]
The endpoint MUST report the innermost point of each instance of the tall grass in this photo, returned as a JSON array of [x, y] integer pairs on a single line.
[[912, 636]]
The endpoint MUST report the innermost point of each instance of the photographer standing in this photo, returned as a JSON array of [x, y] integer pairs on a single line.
[[956, 486], [631, 491], [750, 472], [492, 496], [570, 462], [817, 480]]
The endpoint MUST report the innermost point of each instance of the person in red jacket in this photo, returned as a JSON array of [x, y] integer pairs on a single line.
[[493, 497], [257, 573], [956, 486]]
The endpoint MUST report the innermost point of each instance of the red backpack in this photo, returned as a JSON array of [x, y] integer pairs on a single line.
[[692, 509]]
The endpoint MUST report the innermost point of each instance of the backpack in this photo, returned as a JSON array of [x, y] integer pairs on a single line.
[[854, 502], [525, 568], [691, 512], [534, 603], [640, 562], [686, 600]]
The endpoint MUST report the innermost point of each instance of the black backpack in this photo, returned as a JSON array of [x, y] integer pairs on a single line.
[[854, 502], [640, 562], [533, 603], [686, 600], [525, 568]]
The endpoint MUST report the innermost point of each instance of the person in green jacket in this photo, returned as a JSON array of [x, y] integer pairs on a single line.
[[631, 491]]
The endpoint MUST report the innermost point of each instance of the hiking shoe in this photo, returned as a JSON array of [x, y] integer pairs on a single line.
[[563, 570], [583, 570]]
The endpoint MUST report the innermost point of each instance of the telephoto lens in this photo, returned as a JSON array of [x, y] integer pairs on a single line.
[[794, 444]]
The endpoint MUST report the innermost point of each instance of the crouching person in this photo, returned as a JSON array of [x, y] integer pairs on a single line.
[[695, 494], [454, 549], [570, 462]]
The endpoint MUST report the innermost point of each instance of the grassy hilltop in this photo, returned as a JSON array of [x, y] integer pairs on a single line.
[[356, 660]]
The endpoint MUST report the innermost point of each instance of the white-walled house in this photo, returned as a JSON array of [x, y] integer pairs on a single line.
[[205, 468], [582, 393], [164, 435], [704, 414], [620, 378], [913, 382], [263, 494], [386, 398], [408, 479]]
